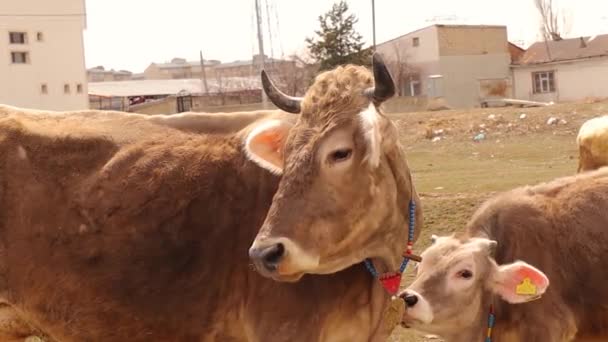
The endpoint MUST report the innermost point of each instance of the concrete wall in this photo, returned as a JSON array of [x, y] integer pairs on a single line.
[[167, 105], [573, 80], [472, 40], [57, 60], [468, 55], [462, 76]]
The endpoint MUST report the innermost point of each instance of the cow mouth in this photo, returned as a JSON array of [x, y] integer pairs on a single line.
[[287, 278], [409, 322], [277, 275]]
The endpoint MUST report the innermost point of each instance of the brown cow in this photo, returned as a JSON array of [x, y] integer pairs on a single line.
[[117, 227], [515, 245]]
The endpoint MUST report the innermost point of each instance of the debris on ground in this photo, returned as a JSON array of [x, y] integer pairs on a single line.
[[436, 139], [523, 116], [552, 121], [479, 137]]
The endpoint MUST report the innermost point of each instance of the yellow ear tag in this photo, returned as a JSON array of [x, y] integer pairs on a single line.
[[526, 288]]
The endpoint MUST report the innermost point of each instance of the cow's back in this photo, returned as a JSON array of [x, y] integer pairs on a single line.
[[140, 221]]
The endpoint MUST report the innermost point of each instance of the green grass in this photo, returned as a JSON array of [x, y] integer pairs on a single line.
[[457, 167]]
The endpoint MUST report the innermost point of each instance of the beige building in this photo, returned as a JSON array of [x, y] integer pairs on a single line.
[[565, 70], [459, 64], [100, 74], [42, 54], [178, 68]]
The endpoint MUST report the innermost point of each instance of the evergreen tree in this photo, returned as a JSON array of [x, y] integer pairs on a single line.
[[337, 42]]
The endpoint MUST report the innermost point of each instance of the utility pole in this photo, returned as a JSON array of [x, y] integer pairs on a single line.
[[258, 15], [374, 23], [204, 73]]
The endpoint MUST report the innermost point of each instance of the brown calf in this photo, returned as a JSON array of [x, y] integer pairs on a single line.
[[537, 255]]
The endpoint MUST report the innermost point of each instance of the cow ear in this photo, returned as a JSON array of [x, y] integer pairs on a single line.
[[519, 282], [265, 144]]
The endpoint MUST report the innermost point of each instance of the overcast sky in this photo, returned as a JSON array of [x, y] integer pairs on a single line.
[[130, 34]]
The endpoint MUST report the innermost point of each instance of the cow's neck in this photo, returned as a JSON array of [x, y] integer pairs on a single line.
[[477, 330], [397, 223]]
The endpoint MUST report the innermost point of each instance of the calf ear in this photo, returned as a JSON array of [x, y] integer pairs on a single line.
[[265, 144], [519, 282]]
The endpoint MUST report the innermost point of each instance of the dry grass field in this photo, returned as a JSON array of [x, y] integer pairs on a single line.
[[454, 174]]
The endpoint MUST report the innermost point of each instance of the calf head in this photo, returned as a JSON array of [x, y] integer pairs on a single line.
[[455, 281], [344, 182]]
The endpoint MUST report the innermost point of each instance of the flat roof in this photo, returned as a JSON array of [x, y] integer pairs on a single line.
[[171, 87]]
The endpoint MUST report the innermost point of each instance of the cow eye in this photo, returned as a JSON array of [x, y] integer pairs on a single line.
[[340, 155], [465, 274]]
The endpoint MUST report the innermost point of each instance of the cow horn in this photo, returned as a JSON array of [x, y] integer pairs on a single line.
[[384, 87], [284, 102]]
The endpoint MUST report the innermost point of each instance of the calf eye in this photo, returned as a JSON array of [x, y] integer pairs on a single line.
[[340, 155], [465, 274]]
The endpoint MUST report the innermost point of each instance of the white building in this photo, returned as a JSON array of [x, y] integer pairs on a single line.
[[565, 70], [42, 62]]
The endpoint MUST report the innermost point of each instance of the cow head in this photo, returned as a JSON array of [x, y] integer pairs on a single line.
[[462, 273], [345, 185]]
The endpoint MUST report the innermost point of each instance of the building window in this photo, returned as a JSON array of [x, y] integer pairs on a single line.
[[20, 57], [39, 36], [17, 37], [44, 89], [415, 41], [66, 88], [543, 82], [79, 88]]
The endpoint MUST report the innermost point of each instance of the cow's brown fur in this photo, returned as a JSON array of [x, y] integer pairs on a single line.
[[561, 228], [119, 226]]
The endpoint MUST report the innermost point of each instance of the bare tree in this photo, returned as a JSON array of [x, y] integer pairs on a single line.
[[295, 76], [554, 22], [400, 69]]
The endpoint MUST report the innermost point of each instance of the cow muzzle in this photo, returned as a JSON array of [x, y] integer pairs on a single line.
[[281, 259], [417, 309], [267, 258]]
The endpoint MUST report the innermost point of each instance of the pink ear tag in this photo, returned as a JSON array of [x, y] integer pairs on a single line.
[[391, 282]]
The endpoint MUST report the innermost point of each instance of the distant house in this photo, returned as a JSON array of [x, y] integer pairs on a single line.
[[252, 67], [564, 70], [100, 74], [460, 64], [178, 68]]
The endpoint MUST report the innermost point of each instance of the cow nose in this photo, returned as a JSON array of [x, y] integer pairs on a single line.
[[269, 256], [410, 299]]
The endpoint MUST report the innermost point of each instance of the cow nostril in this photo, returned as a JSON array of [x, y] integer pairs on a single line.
[[410, 300], [272, 255]]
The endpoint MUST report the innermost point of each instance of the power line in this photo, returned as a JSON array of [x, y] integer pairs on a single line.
[[278, 32], [269, 30]]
